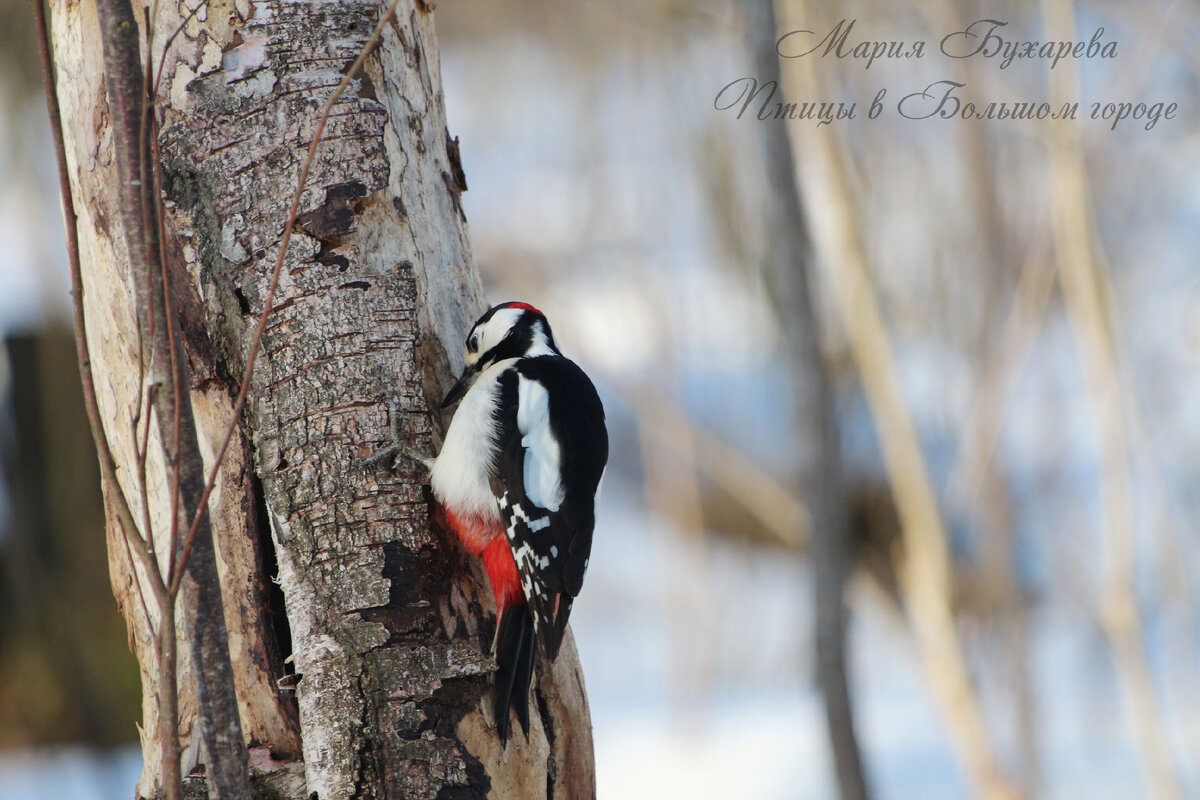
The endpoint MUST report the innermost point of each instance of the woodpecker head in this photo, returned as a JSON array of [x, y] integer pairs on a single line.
[[506, 331]]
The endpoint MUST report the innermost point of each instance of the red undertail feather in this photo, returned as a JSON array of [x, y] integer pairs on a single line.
[[484, 538], [516, 642], [502, 569]]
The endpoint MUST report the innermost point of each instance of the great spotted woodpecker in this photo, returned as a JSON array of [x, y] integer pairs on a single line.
[[517, 478]]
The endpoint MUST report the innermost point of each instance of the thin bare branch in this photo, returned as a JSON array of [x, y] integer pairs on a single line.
[[168, 703], [152, 217], [167, 49], [144, 492], [133, 541], [139, 206], [108, 469], [141, 595]]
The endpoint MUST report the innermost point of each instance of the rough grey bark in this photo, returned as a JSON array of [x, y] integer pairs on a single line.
[[789, 269], [388, 629]]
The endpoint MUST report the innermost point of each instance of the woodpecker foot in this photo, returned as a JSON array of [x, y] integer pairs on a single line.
[[399, 449]]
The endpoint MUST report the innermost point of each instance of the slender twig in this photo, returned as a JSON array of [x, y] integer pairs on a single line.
[[141, 595], [269, 300], [168, 707], [152, 219], [167, 48], [127, 81], [143, 489], [152, 208], [138, 407], [168, 704], [140, 452], [108, 468]]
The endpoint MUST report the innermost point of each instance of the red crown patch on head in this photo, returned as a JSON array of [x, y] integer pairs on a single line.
[[525, 306]]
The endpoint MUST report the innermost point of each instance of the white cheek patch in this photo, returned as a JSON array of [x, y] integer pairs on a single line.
[[542, 470], [495, 329]]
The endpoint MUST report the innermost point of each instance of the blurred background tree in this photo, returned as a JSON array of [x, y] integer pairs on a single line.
[[66, 673]]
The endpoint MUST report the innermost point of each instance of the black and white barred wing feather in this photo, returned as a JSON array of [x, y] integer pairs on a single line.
[[549, 442]]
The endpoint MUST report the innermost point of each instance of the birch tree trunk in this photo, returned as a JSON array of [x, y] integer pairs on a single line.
[[359, 639]]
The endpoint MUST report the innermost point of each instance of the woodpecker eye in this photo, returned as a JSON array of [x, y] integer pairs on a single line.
[[473, 343]]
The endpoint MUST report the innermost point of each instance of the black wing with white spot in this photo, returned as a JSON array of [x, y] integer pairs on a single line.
[[553, 446]]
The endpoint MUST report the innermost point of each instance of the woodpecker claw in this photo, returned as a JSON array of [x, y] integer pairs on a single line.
[[399, 449]]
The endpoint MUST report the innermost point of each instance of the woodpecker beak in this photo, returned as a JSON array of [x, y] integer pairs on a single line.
[[459, 389]]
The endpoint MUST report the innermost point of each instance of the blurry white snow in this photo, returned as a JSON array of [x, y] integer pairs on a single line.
[[69, 773], [685, 705]]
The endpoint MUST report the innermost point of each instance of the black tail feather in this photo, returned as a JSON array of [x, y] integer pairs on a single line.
[[553, 641], [516, 647]]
